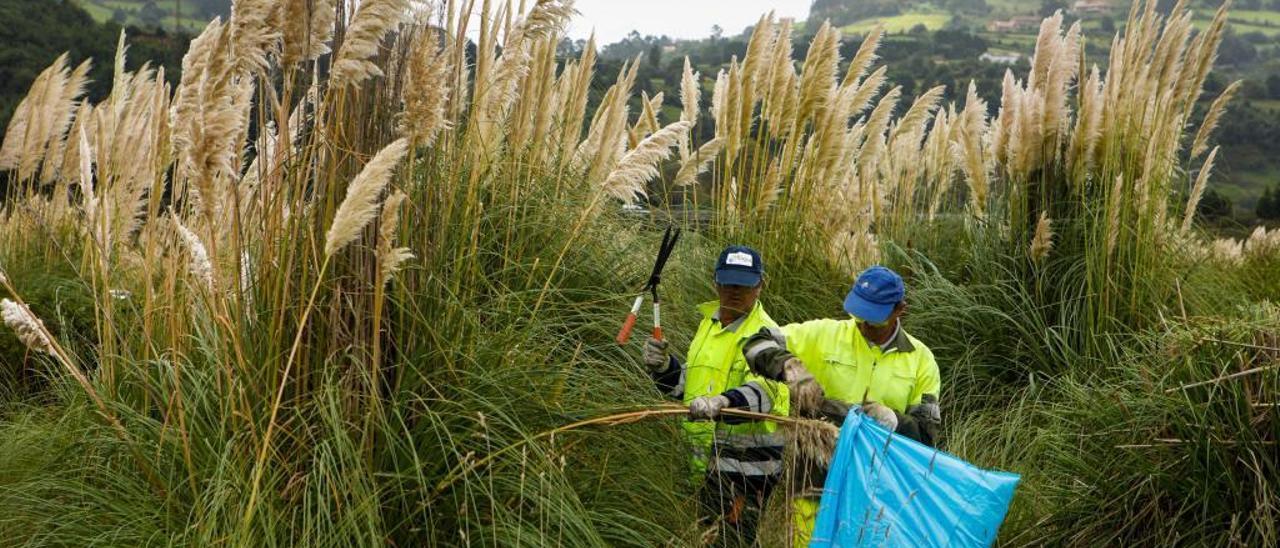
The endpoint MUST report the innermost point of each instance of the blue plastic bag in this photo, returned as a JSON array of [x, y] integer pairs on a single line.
[[889, 490]]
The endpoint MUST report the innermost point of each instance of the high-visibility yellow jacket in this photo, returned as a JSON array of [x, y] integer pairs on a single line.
[[854, 371], [902, 375], [713, 366]]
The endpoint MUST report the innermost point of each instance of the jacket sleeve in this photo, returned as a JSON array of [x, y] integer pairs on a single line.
[[766, 353], [923, 419], [757, 395], [804, 340]]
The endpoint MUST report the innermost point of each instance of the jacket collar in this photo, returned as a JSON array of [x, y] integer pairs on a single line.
[[900, 343], [711, 311]]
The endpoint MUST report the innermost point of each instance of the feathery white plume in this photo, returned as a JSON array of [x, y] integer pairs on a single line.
[[197, 256], [390, 258], [372, 21], [1042, 242], [361, 203], [1197, 190], [689, 93], [641, 163], [698, 163], [28, 328]]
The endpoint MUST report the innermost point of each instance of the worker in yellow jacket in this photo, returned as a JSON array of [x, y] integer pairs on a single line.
[[868, 361], [736, 462]]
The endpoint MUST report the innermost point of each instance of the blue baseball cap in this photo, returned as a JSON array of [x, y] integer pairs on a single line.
[[739, 265], [874, 294]]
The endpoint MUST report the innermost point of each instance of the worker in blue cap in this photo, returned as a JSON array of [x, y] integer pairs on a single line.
[[867, 361], [735, 462]]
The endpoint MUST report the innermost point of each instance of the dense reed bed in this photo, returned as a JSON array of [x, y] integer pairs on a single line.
[[343, 283]]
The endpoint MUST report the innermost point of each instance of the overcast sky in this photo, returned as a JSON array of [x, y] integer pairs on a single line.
[[613, 19]]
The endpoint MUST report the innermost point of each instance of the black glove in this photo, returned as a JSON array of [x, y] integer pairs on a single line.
[[834, 410]]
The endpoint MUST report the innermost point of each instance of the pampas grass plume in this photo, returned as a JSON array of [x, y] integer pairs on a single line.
[[1201, 141], [372, 21], [1042, 242], [426, 90], [308, 27], [699, 162], [390, 258], [361, 203], [1197, 191], [198, 262], [641, 163], [28, 328], [690, 94]]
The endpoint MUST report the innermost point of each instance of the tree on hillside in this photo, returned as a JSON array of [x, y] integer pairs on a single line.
[[1214, 206], [1235, 50], [1268, 207], [207, 9], [151, 15], [1049, 7]]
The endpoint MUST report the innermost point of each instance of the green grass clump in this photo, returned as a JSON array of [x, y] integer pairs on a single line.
[[222, 372]]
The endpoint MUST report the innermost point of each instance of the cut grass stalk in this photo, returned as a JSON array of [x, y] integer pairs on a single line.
[[616, 419]]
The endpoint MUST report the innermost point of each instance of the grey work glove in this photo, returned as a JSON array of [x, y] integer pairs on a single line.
[[707, 407], [655, 356], [806, 393], [883, 415]]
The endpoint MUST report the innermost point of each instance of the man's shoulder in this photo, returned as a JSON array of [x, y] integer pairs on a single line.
[[761, 316], [815, 327], [918, 345], [822, 323]]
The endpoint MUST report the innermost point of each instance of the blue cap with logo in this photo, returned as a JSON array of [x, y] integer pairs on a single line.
[[874, 294], [739, 265]]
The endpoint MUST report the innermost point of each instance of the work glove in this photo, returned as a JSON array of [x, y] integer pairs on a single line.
[[707, 407], [834, 411], [806, 393], [655, 356], [883, 415]]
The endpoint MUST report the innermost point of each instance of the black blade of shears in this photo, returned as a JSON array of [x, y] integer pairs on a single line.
[[669, 239]]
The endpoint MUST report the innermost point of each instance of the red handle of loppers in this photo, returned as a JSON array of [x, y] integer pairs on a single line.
[[624, 334]]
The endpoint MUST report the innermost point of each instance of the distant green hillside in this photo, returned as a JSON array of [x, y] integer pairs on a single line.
[[188, 15], [1020, 16], [35, 32]]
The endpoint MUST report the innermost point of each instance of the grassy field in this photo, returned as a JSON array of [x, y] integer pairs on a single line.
[[99, 12], [1256, 16], [1273, 105], [900, 23], [104, 10], [1022, 43], [1006, 8], [1243, 25]]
